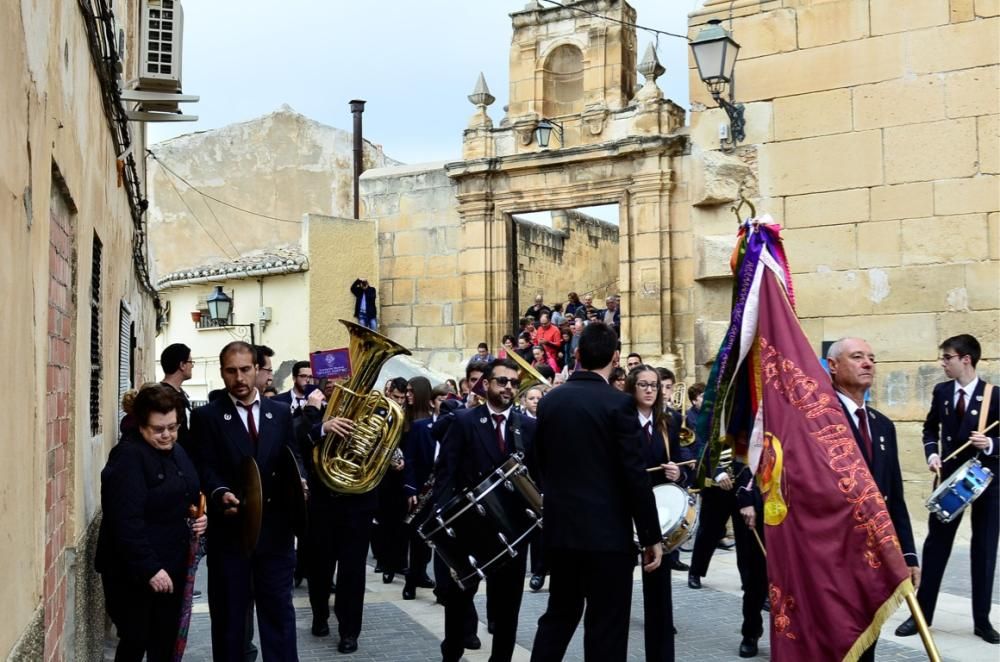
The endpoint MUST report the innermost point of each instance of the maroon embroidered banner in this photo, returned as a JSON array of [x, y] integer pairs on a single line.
[[835, 567]]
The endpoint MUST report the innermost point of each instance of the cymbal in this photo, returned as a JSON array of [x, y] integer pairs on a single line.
[[251, 505]]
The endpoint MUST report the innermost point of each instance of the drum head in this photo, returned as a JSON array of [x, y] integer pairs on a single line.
[[671, 504]]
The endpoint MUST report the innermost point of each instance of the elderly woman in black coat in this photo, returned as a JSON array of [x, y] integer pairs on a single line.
[[148, 489]]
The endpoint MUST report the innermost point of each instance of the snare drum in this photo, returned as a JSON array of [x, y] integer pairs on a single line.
[[960, 489], [678, 514], [479, 530]]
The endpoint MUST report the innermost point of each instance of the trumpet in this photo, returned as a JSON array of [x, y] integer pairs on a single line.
[[678, 402]]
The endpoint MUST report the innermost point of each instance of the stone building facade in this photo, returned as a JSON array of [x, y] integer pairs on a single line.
[[79, 311], [872, 137]]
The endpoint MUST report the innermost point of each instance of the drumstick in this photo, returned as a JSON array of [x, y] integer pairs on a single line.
[[759, 542], [966, 444], [679, 464]]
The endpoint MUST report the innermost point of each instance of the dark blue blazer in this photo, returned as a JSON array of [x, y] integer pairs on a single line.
[[942, 423], [221, 443], [589, 459], [885, 471], [469, 450], [655, 453], [418, 451]]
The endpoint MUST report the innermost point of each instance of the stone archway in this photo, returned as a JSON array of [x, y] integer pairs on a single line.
[[635, 172]]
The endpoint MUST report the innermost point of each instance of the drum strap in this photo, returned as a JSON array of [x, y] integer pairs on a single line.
[[515, 431], [985, 409]]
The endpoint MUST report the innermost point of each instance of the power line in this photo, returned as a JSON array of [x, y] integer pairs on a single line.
[[619, 21], [197, 220], [211, 197]]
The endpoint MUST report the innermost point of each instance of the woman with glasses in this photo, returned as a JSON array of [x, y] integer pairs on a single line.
[[617, 378], [149, 488], [662, 451]]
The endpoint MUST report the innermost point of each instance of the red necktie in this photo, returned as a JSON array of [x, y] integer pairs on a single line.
[[960, 407], [251, 425], [648, 427], [863, 428], [499, 419]]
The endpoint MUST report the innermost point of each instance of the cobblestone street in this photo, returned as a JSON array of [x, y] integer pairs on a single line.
[[708, 623]]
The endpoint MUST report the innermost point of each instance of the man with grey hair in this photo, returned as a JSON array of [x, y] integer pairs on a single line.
[[852, 368]]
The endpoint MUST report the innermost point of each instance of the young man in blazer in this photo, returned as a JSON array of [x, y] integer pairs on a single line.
[[852, 369], [240, 424], [957, 415], [588, 454], [478, 441]]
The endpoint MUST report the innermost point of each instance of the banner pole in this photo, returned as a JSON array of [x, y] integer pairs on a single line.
[[925, 634]]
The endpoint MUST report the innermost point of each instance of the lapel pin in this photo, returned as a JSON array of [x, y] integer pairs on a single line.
[[268, 415], [881, 439], [227, 417], [979, 398], [974, 412], [482, 420]]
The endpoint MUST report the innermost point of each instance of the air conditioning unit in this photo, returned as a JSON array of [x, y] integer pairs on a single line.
[[160, 46]]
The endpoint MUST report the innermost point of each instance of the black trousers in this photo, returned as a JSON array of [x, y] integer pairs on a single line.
[[716, 509], [538, 554], [658, 614], [983, 555], [505, 586], [263, 580], [752, 565], [389, 538], [420, 555], [146, 621], [601, 582], [444, 587], [338, 538]]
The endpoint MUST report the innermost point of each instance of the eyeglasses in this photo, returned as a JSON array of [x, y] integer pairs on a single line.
[[949, 357], [188, 362], [160, 429], [647, 386], [504, 381]]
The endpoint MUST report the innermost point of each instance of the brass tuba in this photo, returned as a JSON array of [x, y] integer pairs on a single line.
[[678, 402], [526, 373], [356, 464]]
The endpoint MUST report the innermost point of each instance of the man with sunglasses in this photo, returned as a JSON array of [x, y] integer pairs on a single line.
[[961, 410], [478, 441]]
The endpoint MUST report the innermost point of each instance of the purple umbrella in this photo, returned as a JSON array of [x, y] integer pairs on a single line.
[[195, 552]]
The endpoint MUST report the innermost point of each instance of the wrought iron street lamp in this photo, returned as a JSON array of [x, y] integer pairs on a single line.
[[543, 132], [220, 306], [715, 54]]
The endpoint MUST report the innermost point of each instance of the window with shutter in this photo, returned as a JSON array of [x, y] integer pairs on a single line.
[[126, 335]]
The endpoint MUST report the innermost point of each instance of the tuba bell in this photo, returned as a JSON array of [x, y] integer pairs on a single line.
[[678, 402], [526, 374], [356, 464]]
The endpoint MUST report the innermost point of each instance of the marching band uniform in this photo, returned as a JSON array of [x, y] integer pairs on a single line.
[[469, 453], [657, 599], [946, 428], [339, 530], [223, 436], [420, 452]]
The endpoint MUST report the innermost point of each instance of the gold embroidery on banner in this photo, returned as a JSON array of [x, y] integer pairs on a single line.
[[835, 437]]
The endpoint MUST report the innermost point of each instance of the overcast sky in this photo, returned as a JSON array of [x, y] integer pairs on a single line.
[[414, 62]]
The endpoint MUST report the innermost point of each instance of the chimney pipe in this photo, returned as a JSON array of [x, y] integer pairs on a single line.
[[357, 108]]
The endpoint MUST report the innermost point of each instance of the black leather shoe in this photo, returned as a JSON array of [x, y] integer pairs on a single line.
[[679, 566], [726, 543], [387, 577], [988, 634], [907, 628], [196, 594], [767, 605], [536, 583], [320, 629], [694, 581], [490, 626], [409, 592], [472, 643], [378, 567], [348, 644], [748, 647], [425, 582]]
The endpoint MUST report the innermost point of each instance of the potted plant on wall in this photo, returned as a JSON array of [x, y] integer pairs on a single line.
[[196, 316]]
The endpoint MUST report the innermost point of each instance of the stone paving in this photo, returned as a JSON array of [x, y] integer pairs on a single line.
[[708, 621]]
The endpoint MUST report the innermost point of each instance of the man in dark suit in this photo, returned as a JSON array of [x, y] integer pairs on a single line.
[[339, 531], [365, 310], [588, 454], [478, 441], [961, 409], [852, 368], [238, 425], [295, 397]]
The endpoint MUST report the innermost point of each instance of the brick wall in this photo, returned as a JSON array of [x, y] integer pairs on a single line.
[[58, 462]]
